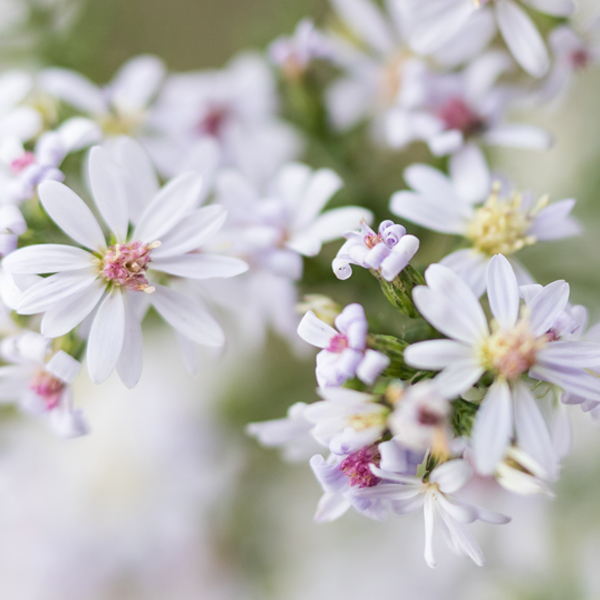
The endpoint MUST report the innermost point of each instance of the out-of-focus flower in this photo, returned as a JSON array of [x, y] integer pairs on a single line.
[[388, 251], [436, 496], [295, 53], [323, 307], [109, 275], [18, 120], [456, 108], [122, 107], [515, 347], [40, 386], [346, 420], [341, 479], [500, 225], [520, 474], [435, 22], [345, 353], [236, 107], [275, 228]]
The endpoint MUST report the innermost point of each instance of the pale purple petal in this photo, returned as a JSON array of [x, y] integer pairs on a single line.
[[47, 258], [502, 291]]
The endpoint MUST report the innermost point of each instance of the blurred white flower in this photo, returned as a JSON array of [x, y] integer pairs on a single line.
[[18, 119], [39, 382], [388, 251], [106, 279], [514, 348], [344, 351]]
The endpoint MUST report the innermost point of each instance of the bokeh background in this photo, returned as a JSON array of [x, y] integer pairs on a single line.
[[168, 499]]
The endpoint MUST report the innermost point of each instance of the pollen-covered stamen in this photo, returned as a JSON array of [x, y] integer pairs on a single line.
[[511, 352], [457, 114], [21, 163], [338, 343], [357, 467], [372, 239], [501, 226], [125, 265], [48, 388]]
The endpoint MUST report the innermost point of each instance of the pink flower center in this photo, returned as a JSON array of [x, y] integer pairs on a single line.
[[338, 343], [356, 467], [213, 122], [125, 265], [17, 165], [48, 388], [372, 239], [580, 59], [457, 114]]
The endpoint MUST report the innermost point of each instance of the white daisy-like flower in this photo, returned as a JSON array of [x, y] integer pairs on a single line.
[[107, 276], [500, 225], [435, 22], [435, 495], [469, 106], [122, 107], [274, 228], [388, 251], [38, 381], [344, 351], [515, 347]]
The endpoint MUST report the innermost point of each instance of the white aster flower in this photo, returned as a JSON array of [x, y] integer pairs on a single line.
[[344, 351], [501, 224], [435, 22], [236, 107], [389, 251], [435, 495], [342, 479], [468, 106], [38, 381], [122, 107], [520, 474], [346, 420], [107, 277], [515, 347], [275, 228], [291, 434]]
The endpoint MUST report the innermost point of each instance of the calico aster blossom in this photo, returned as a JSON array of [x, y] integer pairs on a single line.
[[435, 495], [344, 351], [469, 106], [110, 278], [517, 345], [434, 22], [119, 108], [501, 224], [275, 227], [38, 381], [387, 251]]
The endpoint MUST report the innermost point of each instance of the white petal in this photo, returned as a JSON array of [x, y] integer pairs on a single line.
[[106, 337], [323, 184], [109, 188], [470, 174], [332, 505], [451, 476], [428, 181], [67, 314], [532, 432], [471, 266], [47, 258], [131, 360], [522, 37], [372, 365], [459, 377], [63, 367], [74, 89], [570, 354], [200, 266], [547, 306], [71, 214], [436, 354], [576, 381], [492, 428], [502, 291], [177, 198], [314, 331], [187, 316], [519, 136], [554, 222], [429, 518], [137, 82]]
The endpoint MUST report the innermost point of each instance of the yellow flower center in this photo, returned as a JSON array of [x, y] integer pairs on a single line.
[[391, 77], [364, 421], [511, 352], [501, 226], [121, 123]]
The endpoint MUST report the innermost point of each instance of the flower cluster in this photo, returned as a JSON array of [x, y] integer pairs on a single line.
[[469, 388]]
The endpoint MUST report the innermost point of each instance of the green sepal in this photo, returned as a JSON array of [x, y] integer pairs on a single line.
[[399, 291]]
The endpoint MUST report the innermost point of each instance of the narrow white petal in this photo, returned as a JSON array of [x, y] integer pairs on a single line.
[[47, 258], [314, 331], [572, 380], [451, 476], [131, 361], [436, 354], [492, 428], [323, 184], [74, 89], [470, 174], [429, 518], [200, 266], [187, 316], [459, 377], [554, 222], [137, 82], [109, 188], [171, 204], [570, 354], [502, 291], [64, 367], [547, 306], [106, 337], [71, 214], [519, 136], [471, 266]]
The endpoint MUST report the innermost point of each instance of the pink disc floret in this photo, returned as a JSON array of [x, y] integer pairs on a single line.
[[21, 163], [125, 265], [357, 467], [338, 343], [48, 388]]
